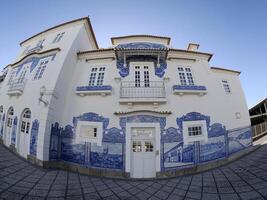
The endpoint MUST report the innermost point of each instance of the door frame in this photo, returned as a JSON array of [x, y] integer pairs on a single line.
[[128, 145]]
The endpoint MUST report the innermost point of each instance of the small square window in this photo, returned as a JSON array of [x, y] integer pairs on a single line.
[[194, 130]]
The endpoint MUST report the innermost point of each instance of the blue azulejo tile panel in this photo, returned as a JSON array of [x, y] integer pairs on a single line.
[[72, 152], [14, 131], [94, 88], [239, 139], [108, 155], [55, 145], [213, 149], [189, 87], [34, 137], [34, 62], [177, 155], [2, 126]]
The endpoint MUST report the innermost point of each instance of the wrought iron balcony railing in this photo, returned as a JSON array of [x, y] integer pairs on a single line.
[[151, 89]]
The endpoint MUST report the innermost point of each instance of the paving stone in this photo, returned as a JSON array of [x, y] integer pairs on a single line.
[[208, 196], [229, 197], [250, 195]]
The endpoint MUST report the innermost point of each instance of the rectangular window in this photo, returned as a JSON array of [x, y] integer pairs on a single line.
[[194, 130], [23, 126], [88, 131], [58, 37], [137, 147], [96, 76], [185, 76], [22, 76], [40, 70], [13, 72], [40, 42], [226, 87]]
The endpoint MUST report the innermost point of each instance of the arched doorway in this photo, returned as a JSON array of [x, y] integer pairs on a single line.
[[24, 133], [10, 115]]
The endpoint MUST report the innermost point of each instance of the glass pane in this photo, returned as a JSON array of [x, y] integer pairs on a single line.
[[149, 147], [137, 147]]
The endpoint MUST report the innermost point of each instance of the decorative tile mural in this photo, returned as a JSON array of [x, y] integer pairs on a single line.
[[109, 155], [34, 137], [2, 126], [34, 62], [239, 139], [174, 153], [14, 131]]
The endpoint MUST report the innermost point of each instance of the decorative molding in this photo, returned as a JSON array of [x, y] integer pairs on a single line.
[[189, 89], [125, 48], [141, 111], [141, 45], [100, 89]]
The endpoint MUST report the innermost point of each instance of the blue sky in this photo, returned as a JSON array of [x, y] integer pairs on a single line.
[[234, 30]]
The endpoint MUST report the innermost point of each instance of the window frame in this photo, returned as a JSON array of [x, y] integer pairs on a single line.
[[189, 139], [97, 76], [99, 134], [226, 87], [186, 80], [42, 65]]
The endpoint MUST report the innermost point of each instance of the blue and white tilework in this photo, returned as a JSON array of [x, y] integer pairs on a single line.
[[175, 154], [2, 126], [239, 139], [124, 71], [14, 131], [34, 137], [34, 62]]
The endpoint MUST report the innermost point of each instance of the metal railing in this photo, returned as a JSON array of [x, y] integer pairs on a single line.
[[151, 89], [17, 85], [259, 129]]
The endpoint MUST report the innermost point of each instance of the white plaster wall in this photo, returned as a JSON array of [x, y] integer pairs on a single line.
[[31, 93], [220, 106]]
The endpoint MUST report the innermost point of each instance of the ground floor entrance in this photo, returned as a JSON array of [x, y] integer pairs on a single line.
[[143, 156]]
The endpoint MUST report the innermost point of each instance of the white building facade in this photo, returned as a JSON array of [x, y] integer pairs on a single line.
[[137, 109]]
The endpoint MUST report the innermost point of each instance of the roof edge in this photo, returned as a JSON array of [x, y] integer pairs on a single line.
[[65, 23], [36, 53], [152, 36], [228, 70], [196, 52], [94, 51]]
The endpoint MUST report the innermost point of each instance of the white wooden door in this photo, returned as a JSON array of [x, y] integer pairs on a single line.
[[8, 130], [143, 162], [24, 137]]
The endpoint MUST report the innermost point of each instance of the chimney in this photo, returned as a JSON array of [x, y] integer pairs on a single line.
[[192, 47]]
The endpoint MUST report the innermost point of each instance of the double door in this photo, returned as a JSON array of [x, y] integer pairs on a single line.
[[143, 162]]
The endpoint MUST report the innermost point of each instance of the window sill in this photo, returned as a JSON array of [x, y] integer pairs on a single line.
[[102, 90], [189, 89]]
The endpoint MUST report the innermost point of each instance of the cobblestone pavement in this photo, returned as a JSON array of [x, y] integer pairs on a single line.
[[242, 179]]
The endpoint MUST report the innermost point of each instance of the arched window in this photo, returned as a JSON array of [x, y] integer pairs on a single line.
[[10, 114], [25, 121]]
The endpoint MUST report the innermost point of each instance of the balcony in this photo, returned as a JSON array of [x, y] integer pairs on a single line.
[[152, 91], [16, 87], [189, 89]]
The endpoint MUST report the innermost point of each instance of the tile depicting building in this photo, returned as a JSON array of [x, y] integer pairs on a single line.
[[138, 108]]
